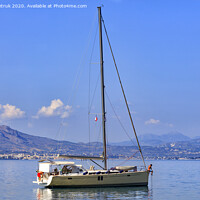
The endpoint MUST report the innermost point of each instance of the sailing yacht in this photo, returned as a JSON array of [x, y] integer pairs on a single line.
[[68, 174]]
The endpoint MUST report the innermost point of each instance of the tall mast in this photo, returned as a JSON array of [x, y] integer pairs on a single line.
[[102, 90]]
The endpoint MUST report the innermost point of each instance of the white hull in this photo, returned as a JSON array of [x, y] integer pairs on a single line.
[[99, 180]]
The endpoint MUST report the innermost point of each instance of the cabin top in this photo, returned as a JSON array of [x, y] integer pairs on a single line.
[[50, 166], [56, 162]]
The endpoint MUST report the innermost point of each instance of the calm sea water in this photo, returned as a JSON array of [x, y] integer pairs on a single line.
[[171, 180]]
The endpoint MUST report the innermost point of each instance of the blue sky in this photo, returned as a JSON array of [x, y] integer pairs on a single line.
[[156, 45]]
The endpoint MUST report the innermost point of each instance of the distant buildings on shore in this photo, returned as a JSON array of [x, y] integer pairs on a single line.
[[23, 156]]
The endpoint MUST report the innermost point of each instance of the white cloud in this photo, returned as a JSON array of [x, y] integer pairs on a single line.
[[10, 112], [152, 121], [56, 108]]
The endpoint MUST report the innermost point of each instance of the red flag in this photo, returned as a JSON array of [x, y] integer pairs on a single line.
[[96, 119]]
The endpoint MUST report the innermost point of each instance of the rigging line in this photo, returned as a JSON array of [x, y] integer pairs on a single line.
[[128, 158], [94, 94], [57, 134], [89, 131], [91, 105], [76, 81], [78, 75], [90, 86], [97, 164], [124, 94], [120, 120], [90, 65], [109, 149], [98, 136]]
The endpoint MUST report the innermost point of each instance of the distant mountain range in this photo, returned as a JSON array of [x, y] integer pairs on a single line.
[[168, 146], [13, 141], [155, 140]]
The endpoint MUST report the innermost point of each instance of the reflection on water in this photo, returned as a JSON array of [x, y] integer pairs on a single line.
[[150, 187], [94, 193]]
